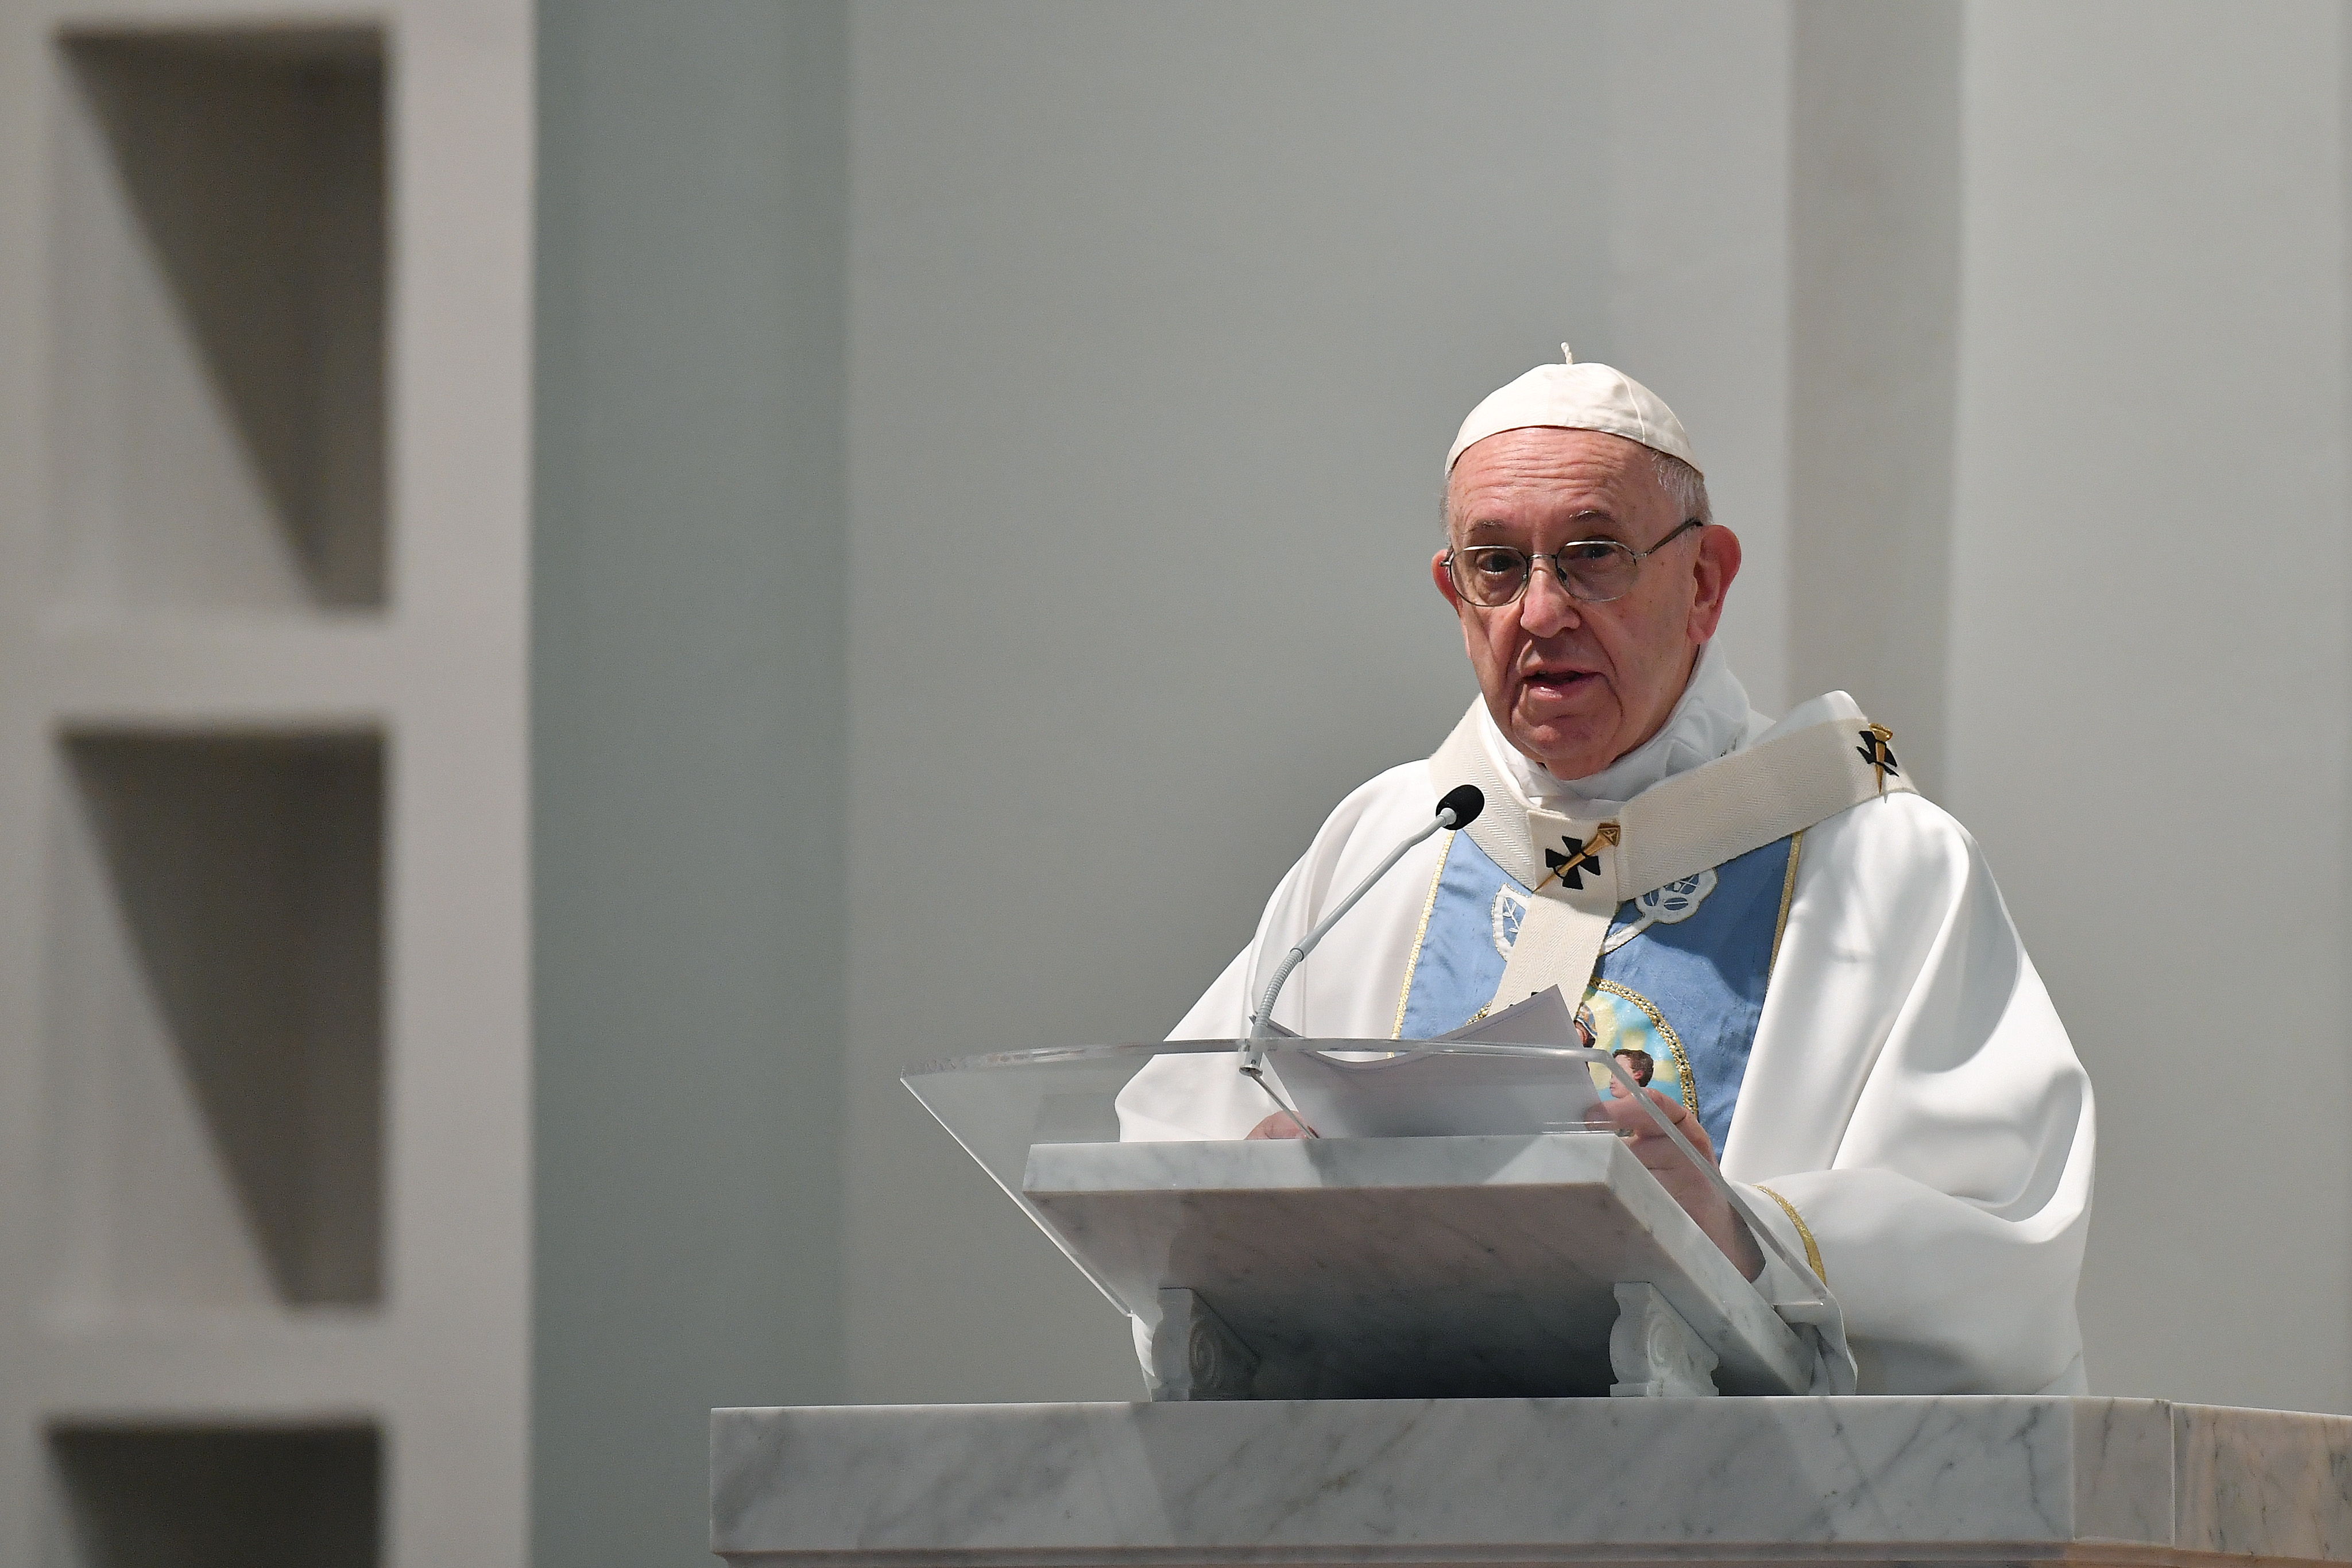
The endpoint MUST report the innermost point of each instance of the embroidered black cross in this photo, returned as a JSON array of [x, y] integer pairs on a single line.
[[1569, 867], [1876, 752]]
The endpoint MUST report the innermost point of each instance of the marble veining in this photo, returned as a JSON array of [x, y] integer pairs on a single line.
[[1432, 1481], [2123, 1469], [2263, 1483]]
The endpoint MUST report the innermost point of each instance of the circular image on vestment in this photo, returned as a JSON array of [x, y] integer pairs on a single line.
[[1624, 1019]]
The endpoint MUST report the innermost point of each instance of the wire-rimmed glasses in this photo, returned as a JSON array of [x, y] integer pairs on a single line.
[[1594, 570]]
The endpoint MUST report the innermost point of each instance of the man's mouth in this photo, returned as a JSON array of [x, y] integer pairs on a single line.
[[1557, 683]]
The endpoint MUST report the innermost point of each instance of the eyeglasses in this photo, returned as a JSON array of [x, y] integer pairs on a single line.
[[1595, 570]]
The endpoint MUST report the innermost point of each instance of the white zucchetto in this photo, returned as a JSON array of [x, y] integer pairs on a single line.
[[1569, 396]]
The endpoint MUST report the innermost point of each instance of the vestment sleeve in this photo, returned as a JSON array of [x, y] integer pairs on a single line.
[[1913, 1103]]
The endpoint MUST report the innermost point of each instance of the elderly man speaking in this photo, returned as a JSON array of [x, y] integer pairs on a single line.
[[1812, 954]]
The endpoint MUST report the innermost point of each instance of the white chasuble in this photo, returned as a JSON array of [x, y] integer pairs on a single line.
[[1845, 1004]]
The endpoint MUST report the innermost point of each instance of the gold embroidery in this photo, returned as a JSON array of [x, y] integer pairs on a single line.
[[1420, 937], [1804, 1231], [1665, 1032], [1787, 893]]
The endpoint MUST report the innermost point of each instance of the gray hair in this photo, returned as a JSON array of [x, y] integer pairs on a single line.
[[1684, 485]]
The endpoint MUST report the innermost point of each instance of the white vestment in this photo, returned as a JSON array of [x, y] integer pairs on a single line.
[[1910, 1092]]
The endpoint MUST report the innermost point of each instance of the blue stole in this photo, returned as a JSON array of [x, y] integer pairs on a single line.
[[1688, 988]]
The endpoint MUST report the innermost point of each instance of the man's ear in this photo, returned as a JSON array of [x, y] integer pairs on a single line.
[[1445, 581], [1718, 563]]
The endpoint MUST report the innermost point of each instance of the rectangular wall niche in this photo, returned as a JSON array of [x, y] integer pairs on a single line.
[[217, 1021], [218, 352], [214, 1498]]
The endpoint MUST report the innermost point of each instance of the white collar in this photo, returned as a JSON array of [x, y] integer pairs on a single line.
[[1711, 719]]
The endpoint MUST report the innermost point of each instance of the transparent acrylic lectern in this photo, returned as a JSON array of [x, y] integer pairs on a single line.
[[1464, 1225]]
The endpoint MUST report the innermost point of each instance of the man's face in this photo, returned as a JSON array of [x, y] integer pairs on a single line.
[[1575, 685]]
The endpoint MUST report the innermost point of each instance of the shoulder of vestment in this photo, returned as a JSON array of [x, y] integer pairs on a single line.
[[1903, 839]]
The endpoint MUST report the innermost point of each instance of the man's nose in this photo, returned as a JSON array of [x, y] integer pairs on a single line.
[[1546, 609]]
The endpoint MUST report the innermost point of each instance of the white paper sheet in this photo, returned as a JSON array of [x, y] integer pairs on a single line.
[[1416, 1092]]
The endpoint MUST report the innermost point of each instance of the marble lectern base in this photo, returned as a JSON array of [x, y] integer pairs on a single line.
[[1783, 1481]]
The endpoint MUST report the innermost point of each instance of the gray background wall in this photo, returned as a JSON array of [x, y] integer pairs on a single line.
[[2014, 337], [687, 740], [2148, 647]]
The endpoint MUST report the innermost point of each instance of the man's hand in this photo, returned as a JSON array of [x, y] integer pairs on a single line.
[[1279, 1125], [1688, 1184]]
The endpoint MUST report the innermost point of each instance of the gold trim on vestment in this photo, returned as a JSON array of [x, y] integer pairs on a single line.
[[1412, 962], [1788, 893], [1804, 1231], [1665, 1032]]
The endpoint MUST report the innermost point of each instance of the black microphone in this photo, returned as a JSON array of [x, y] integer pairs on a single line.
[[1465, 801], [1459, 809]]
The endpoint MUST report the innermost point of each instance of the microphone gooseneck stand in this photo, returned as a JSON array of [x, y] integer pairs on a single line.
[[1458, 810]]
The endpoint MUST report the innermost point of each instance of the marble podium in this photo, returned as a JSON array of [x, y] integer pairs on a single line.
[[1404, 1266], [1450, 1305], [1800, 1480]]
